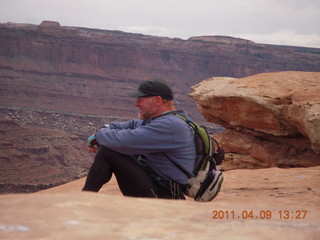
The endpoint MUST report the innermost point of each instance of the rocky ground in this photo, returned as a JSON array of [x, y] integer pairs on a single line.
[[268, 203], [81, 125], [33, 158]]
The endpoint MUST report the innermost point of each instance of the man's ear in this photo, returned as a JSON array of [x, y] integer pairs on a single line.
[[159, 100]]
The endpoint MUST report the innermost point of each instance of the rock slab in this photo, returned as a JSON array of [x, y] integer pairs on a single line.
[[273, 117], [66, 213]]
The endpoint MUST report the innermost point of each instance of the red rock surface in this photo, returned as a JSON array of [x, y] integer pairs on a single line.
[[272, 119], [66, 213], [32, 158]]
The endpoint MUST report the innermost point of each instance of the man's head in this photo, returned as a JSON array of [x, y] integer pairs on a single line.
[[154, 97]]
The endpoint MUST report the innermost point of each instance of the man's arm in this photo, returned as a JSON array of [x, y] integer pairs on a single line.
[[130, 124], [92, 142], [160, 134]]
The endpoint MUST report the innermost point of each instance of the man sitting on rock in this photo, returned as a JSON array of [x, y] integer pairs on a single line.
[[150, 157]]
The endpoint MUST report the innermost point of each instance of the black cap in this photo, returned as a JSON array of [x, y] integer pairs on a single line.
[[153, 87]]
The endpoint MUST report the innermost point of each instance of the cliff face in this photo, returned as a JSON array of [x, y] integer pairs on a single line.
[[32, 159], [90, 71], [272, 119]]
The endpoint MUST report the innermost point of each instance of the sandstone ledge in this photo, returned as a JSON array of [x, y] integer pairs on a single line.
[[65, 213], [274, 118]]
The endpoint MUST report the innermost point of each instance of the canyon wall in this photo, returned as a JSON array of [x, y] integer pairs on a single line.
[[32, 159], [79, 70]]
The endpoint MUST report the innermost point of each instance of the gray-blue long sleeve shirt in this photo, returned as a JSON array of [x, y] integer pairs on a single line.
[[157, 139]]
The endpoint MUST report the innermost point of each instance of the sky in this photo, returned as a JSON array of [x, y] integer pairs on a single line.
[[282, 22]]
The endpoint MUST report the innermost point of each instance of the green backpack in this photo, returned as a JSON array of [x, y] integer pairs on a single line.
[[207, 180]]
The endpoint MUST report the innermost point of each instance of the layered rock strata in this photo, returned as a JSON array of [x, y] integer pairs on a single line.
[[90, 71], [271, 119], [32, 158]]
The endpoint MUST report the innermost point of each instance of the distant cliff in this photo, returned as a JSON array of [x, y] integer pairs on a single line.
[[81, 70], [32, 158]]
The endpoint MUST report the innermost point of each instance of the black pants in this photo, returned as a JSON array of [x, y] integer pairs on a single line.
[[134, 179]]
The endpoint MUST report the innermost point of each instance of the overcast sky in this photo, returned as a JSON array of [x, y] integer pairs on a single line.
[[285, 22]]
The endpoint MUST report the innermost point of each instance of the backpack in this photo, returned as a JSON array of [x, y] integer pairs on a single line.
[[207, 180]]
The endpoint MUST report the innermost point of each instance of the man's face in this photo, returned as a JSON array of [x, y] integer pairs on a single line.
[[147, 106]]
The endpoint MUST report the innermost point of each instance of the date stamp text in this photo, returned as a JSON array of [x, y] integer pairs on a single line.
[[259, 214]]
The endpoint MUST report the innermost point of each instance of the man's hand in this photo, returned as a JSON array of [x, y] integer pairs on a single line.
[[92, 144], [92, 149]]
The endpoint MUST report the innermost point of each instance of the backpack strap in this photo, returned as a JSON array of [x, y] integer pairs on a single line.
[[189, 122]]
